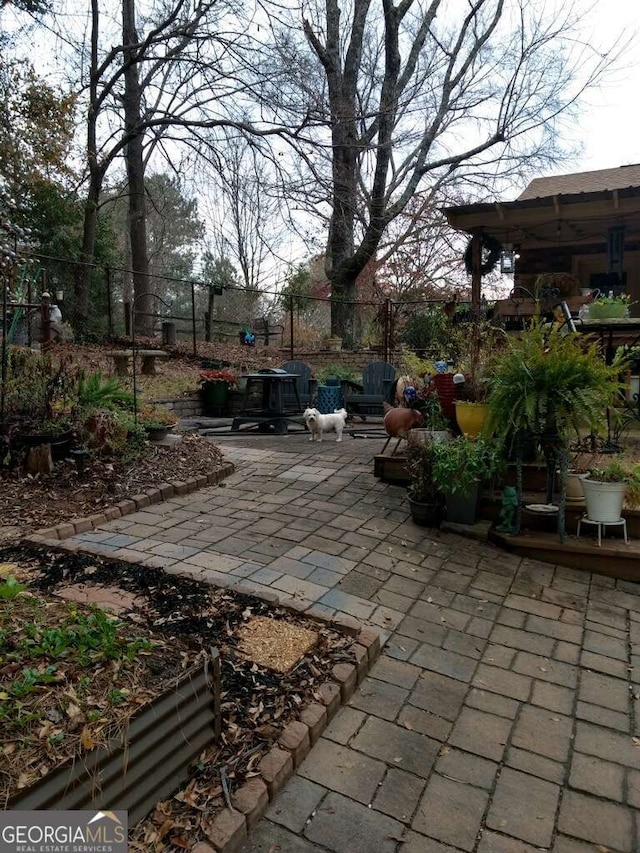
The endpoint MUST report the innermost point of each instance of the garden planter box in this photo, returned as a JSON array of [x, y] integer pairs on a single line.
[[148, 762], [391, 469]]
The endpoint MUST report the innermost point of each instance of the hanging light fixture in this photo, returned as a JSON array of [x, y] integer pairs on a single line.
[[507, 262]]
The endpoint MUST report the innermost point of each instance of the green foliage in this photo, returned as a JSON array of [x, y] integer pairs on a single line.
[[416, 367], [155, 417], [37, 389], [429, 330], [219, 272], [173, 230], [114, 432], [619, 472], [339, 371], [420, 463], [547, 382], [96, 392], [11, 588], [83, 637], [35, 647], [297, 287], [36, 130], [462, 462], [428, 404]]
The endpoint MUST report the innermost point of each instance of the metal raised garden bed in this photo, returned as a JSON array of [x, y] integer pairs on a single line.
[[148, 762]]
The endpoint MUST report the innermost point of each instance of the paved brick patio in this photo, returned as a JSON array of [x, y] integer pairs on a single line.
[[501, 716]]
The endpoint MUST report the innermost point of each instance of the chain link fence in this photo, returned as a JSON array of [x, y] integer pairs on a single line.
[[192, 311]]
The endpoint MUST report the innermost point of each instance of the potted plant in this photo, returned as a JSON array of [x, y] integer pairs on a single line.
[[435, 425], [37, 396], [157, 421], [216, 385], [609, 307], [460, 467], [425, 500], [606, 488], [473, 391], [553, 386]]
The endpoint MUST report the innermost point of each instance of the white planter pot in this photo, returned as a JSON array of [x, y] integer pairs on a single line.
[[604, 500]]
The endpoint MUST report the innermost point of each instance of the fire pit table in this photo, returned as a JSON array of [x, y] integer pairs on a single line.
[[276, 388]]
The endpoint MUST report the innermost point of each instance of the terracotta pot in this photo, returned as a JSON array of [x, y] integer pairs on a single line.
[[446, 389], [401, 420]]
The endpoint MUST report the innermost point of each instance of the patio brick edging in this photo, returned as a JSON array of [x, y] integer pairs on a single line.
[[231, 826], [164, 491]]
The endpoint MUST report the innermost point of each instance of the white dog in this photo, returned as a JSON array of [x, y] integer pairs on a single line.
[[318, 423]]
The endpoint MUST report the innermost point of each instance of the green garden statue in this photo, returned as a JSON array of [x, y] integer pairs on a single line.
[[508, 510]]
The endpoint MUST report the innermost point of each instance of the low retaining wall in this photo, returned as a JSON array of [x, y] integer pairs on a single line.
[[189, 406], [357, 360]]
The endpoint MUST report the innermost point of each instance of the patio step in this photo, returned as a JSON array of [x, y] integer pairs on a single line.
[[614, 557]]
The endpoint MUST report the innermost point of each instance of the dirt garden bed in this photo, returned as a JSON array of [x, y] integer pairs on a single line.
[[30, 503], [180, 617]]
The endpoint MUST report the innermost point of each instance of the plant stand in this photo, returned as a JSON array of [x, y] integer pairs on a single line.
[[601, 524]]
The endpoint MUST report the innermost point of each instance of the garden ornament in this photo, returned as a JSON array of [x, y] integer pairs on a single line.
[[508, 510]]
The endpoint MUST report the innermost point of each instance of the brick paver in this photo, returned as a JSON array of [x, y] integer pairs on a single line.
[[502, 713]]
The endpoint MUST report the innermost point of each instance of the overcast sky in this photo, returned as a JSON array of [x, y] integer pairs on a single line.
[[609, 125]]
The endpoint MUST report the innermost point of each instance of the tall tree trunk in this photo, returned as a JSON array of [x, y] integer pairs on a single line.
[[82, 278], [143, 292]]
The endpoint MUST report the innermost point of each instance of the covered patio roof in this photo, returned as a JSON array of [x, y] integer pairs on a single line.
[[564, 210]]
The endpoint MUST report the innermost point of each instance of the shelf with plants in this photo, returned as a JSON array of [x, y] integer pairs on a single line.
[[554, 387]]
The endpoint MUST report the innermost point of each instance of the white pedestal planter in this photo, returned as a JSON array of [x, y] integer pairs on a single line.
[[603, 500]]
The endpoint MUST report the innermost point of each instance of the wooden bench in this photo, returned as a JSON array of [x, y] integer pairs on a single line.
[[121, 358]]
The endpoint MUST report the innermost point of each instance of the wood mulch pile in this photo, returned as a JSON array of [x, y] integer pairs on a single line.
[[257, 701]]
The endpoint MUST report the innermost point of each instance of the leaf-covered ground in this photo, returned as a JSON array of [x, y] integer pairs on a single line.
[[29, 503], [257, 702], [70, 677]]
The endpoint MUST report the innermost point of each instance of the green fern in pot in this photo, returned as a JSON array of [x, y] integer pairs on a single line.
[[552, 386], [548, 383]]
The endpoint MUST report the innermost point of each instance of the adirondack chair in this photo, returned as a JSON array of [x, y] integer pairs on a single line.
[[306, 385], [378, 383]]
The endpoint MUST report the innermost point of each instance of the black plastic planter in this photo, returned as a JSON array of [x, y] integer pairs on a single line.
[[426, 514], [148, 762]]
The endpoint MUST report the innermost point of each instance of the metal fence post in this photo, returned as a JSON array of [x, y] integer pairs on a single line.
[[386, 329], [193, 317], [291, 326], [109, 310]]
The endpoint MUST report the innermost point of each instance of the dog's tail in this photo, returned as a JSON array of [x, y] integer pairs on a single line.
[[386, 407]]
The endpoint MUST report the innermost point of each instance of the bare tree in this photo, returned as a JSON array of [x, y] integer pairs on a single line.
[[176, 75], [417, 95], [244, 209]]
